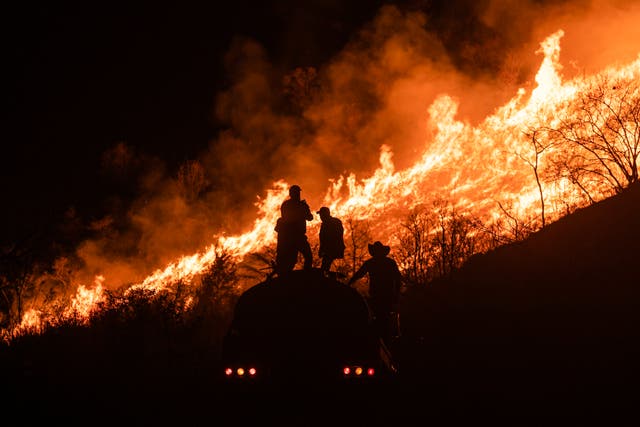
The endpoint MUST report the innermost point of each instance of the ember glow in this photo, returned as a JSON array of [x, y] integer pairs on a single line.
[[480, 169]]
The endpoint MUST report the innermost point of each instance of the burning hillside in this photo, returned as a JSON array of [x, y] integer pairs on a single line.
[[550, 149]]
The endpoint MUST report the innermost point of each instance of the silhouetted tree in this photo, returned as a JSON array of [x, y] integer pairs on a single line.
[[414, 252], [514, 228], [214, 300], [455, 239], [434, 242], [533, 160], [258, 266], [570, 167], [494, 235], [358, 236], [600, 142], [218, 281], [17, 280]]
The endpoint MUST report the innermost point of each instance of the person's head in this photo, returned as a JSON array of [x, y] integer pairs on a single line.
[[294, 192], [324, 213], [377, 249]]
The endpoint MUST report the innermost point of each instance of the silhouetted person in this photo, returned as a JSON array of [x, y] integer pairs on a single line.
[[285, 254], [292, 232], [331, 239], [384, 287]]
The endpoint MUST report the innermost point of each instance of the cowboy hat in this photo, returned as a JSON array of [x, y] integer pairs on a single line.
[[377, 248]]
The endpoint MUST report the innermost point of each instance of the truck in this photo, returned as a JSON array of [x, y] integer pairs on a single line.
[[304, 328]]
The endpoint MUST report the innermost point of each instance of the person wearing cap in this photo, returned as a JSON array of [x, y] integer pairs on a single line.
[[385, 280], [331, 239], [292, 232]]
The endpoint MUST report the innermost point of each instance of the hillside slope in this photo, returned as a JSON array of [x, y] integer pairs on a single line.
[[588, 257], [553, 319]]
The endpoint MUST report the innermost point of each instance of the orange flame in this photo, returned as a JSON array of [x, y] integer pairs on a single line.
[[81, 307], [476, 167], [86, 300]]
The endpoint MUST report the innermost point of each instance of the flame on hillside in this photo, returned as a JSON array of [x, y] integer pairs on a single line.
[[478, 168]]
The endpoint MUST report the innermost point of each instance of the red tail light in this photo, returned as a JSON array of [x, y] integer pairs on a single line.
[[252, 371], [358, 371], [228, 372]]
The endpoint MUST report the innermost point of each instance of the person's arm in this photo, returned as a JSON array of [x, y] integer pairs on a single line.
[[397, 282], [358, 274], [308, 214]]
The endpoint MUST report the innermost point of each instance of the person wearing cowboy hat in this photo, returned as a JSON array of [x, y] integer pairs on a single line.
[[384, 286]]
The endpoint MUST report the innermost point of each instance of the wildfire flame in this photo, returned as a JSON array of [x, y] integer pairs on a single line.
[[476, 167], [81, 307]]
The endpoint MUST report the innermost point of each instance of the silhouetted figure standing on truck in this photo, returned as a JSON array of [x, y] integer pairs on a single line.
[[292, 232], [384, 288], [331, 239], [286, 255]]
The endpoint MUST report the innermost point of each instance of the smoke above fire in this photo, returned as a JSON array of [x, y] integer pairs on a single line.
[[414, 108]]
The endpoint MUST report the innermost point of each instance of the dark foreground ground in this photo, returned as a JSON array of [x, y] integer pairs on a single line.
[[457, 382]]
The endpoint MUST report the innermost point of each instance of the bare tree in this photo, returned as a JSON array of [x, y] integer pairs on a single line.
[[17, 280], [218, 281], [358, 236], [433, 243], [601, 138], [215, 296], [259, 265], [533, 160], [517, 228], [456, 238], [6, 301], [494, 235], [414, 252], [572, 167]]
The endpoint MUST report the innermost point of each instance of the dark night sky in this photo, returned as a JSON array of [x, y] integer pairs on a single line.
[[82, 77]]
